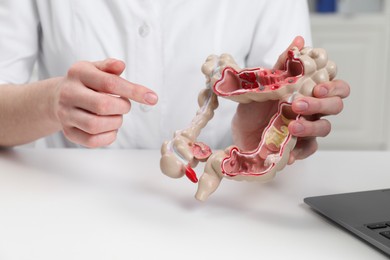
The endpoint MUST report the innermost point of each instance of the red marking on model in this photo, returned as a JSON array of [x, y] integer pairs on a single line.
[[248, 80], [190, 173], [290, 54]]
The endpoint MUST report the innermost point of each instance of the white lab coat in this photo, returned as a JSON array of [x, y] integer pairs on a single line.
[[163, 43]]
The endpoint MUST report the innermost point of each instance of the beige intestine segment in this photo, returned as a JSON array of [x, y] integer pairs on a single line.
[[177, 154]]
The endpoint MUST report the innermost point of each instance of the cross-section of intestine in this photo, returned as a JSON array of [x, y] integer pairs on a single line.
[[303, 70]]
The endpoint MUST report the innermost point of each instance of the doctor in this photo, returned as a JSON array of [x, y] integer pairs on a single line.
[[126, 74]]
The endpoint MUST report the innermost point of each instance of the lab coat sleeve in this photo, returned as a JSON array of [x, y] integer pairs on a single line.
[[19, 28], [280, 21]]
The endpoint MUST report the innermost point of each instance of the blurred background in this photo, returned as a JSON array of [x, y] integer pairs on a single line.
[[355, 34]]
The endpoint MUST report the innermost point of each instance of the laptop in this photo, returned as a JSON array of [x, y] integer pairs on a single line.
[[366, 214]]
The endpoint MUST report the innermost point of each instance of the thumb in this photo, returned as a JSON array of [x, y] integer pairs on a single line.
[[298, 42]]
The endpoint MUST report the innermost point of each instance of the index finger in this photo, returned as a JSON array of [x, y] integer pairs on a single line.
[[113, 84]]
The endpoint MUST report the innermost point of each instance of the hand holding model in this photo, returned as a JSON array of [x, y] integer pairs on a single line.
[[326, 99]]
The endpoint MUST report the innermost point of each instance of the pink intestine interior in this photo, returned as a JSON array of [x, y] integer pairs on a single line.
[[269, 150], [258, 79], [275, 136]]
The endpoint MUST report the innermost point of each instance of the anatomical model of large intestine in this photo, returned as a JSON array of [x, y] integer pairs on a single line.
[[303, 69]]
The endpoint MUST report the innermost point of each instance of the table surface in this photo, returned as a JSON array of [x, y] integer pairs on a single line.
[[116, 204]]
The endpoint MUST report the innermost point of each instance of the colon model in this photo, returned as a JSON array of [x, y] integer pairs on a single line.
[[302, 71]]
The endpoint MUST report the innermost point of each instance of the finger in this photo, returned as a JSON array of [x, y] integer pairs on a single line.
[[338, 88], [309, 105], [91, 123], [101, 81], [91, 141], [298, 42], [92, 101], [304, 148], [99, 103], [110, 65], [305, 128]]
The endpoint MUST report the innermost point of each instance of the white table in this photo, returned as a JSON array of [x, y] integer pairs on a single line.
[[116, 204]]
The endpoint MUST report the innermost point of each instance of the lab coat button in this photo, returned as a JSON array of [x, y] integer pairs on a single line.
[[144, 30]]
